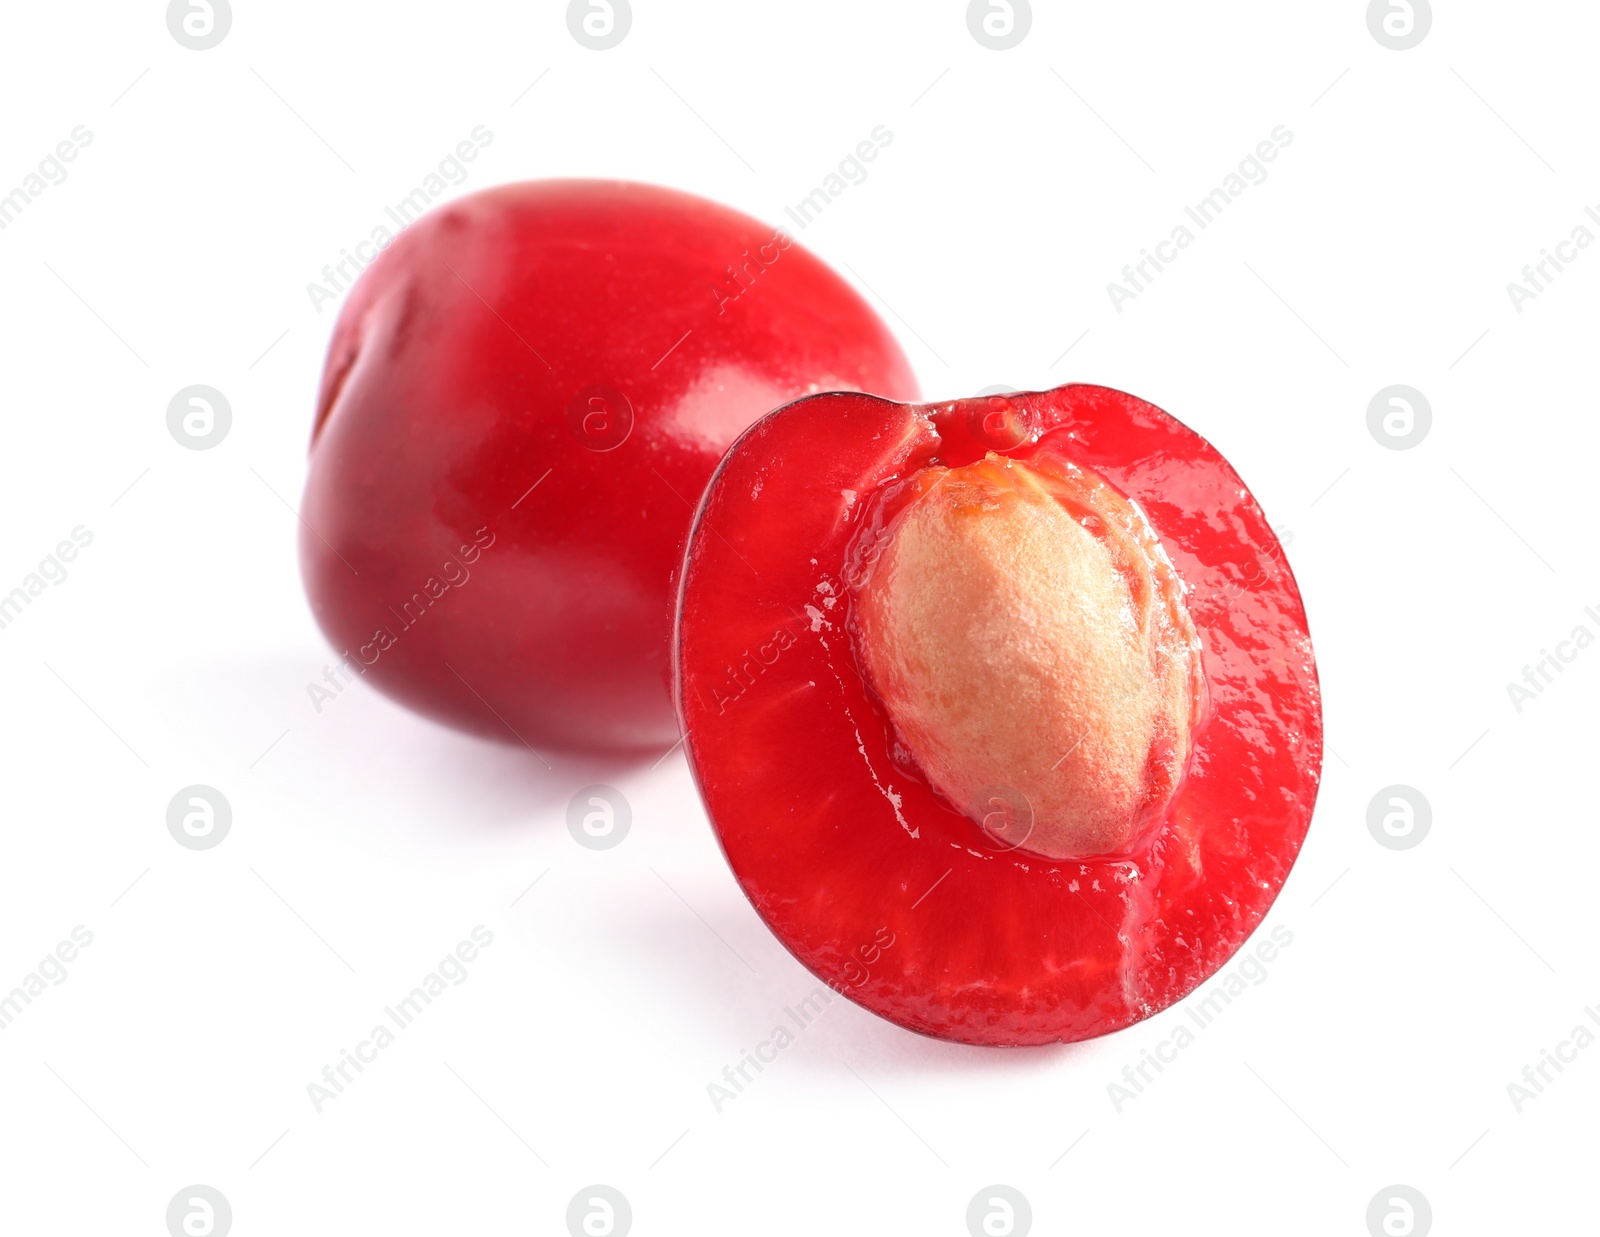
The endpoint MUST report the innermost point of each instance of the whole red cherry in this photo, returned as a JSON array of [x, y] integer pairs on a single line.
[[1004, 710], [523, 399]]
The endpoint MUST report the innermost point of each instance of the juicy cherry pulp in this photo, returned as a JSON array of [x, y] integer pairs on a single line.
[[835, 824], [1025, 632]]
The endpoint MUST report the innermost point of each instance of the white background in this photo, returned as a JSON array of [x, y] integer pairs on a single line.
[[367, 842]]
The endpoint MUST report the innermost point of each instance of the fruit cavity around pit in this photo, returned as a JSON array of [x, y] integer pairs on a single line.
[[1026, 634]]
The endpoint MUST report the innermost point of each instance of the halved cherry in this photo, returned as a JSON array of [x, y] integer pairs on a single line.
[[1004, 710]]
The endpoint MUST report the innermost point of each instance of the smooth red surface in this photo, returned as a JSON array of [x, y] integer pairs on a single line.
[[463, 543], [841, 846]]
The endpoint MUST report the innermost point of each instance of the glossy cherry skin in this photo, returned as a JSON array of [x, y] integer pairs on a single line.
[[876, 883], [523, 398]]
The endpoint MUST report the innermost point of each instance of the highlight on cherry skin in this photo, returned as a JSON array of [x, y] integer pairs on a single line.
[[980, 677]]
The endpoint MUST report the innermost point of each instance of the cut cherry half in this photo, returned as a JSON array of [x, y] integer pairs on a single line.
[[1004, 709]]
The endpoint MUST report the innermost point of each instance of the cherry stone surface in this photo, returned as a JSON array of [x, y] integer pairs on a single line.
[[522, 401], [884, 889]]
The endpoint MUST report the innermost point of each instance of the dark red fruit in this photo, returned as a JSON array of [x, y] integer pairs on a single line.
[[523, 398], [1004, 710]]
